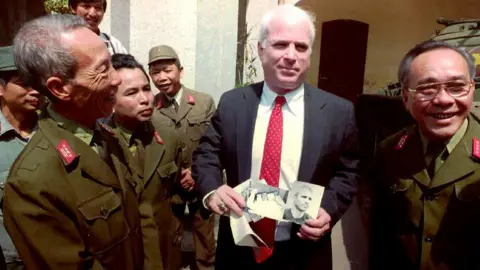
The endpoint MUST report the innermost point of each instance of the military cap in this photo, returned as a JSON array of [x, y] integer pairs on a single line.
[[162, 52], [6, 59]]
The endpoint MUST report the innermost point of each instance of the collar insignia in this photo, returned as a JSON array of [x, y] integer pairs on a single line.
[[401, 142], [476, 148], [66, 152], [158, 138], [191, 100]]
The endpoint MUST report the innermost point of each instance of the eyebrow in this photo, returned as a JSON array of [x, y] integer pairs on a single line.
[[435, 80]]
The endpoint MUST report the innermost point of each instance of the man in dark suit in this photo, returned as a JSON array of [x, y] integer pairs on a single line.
[[281, 130]]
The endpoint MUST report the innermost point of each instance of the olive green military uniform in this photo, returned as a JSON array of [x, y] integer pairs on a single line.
[[68, 207], [156, 156], [191, 120], [421, 220]]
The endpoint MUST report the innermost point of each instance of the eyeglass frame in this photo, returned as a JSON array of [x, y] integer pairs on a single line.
[[443, 86]]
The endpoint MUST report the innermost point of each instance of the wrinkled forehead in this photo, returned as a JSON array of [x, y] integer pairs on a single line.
[[85, 45]]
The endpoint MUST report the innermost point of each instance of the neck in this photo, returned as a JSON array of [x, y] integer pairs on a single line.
[[130, 124], [281, 91], [79, 117], [297, 213], [22, 121]]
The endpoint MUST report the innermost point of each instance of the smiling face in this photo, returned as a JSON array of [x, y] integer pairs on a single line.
[[92, 90], [19, 97], [166, 76], [441, 117], [92, 12], [134, 98], [285, 56]]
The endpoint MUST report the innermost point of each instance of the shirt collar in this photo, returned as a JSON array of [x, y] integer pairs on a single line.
[[126, 133], [450, 144], [81, 132], [177, 97], [294, 99]]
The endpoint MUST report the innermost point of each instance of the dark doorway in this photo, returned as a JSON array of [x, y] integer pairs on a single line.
[[342, 58]]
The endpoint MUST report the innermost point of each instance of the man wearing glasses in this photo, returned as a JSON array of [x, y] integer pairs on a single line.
[[426, 189]]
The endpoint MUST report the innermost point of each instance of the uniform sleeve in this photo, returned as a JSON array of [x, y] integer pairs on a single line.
[[39, 224], [211, 108]]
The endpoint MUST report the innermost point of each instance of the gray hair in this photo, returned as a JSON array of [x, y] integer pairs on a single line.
[[292, 11], [39, 52], [405, 64]]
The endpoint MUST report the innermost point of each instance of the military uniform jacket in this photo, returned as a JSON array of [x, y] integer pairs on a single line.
[[423, 223], [162, 167], [191, 120], [65, 207]]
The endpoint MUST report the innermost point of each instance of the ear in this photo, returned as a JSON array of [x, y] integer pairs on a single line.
[[58, 88], [260, 49], [181, 72], [406, 98]]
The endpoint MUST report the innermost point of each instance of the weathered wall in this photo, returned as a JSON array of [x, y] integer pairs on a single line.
[[395, 26]]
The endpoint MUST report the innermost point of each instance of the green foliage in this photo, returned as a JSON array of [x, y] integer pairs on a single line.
[[246, 61], [56, 6]]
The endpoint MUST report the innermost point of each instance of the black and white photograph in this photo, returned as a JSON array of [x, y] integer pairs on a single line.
[[265, 200], [303, 202]]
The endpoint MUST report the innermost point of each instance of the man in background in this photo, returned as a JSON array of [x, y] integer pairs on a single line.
[[188, 112], [92, 12], [18, 122]]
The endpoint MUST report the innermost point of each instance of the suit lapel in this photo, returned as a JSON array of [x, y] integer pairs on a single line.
[[313, 132], [185, 106], [245, 129], [153, 153], [88, 161], [460, 162]]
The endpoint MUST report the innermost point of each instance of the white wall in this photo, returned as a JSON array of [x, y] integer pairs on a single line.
[[203, 32]]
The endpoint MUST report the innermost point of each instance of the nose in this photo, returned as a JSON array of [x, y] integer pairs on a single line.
[[443, 98], [143, 98], [92, 11], [291, 52]]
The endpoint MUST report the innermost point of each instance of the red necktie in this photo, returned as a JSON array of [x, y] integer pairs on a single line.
[[270, 171]]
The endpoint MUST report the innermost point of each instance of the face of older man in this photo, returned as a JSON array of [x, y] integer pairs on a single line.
[[440, 117], [95, 83], [134, 97], [286, 56]]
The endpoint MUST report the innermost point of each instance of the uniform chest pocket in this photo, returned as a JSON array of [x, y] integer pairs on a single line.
[[468, 192], [196, 127], [104, 221]]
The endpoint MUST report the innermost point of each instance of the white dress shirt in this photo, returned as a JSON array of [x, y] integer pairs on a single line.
[[293, 119]]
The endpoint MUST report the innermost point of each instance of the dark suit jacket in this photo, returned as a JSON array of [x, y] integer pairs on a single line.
[[330, 157]]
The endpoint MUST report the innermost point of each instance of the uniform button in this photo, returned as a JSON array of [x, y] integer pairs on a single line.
[[178, 124], [428, 239], [103, 211]]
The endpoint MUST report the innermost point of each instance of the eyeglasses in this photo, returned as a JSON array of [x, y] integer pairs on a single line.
[[429, 91]]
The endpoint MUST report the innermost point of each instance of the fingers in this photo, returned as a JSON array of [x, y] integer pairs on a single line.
[[231, 204], [226, 195], [314, 229]]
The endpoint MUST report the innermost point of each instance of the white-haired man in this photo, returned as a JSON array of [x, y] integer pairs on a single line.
[[280, 130]]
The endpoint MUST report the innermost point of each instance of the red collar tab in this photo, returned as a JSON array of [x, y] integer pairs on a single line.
[[191, 100], [66, 152], [158, 138], [476, 148], [401, 142], [159, 104]]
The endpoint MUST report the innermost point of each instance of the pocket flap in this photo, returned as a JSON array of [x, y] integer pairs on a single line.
[[468, 191], [196, 119], [100, 206], [167, 169]]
